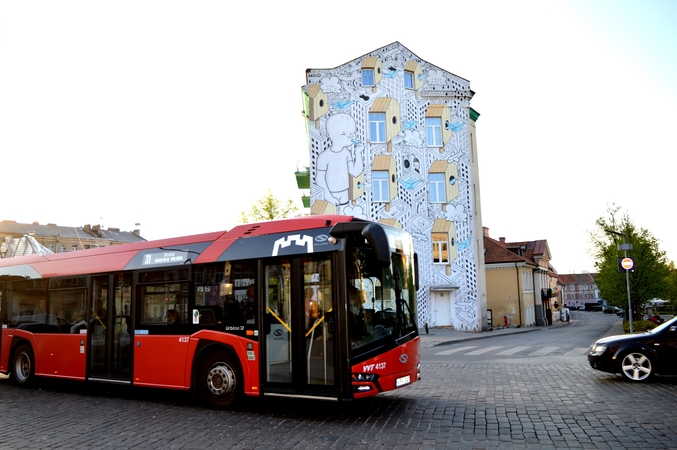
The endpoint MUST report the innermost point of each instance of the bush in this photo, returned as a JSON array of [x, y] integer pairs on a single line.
[[638, 325]]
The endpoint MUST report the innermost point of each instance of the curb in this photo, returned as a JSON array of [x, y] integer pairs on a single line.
[[484, 336]]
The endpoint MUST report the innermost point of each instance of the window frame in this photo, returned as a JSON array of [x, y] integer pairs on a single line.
[[433, 131], [377, 127], [368, 77], [436, 185], [380, 183]]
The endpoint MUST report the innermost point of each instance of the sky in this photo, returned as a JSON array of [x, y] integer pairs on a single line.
[[179, 115]]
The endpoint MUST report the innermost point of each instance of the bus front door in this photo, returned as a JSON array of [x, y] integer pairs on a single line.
[[110, 328], [299, 345]]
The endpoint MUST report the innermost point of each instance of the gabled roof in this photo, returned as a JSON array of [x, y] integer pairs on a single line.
[[495, 252], [572, 278], [533, 250], [10, 227], [25, 245]]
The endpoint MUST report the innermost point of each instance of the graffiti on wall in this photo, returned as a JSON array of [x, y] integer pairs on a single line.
[[389, 142]]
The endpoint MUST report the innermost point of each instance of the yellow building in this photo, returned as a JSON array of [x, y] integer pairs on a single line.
[[519, 283]]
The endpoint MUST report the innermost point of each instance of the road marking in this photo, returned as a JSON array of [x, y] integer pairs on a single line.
[[579, 351], [512, 351], [455, 350], [484, 350], [544, 351]]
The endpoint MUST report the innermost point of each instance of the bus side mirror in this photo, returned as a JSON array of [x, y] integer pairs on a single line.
[[376, 236]]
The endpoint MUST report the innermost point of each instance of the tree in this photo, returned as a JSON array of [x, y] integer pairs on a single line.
[[671, 284], [647, 280], [268, 208]]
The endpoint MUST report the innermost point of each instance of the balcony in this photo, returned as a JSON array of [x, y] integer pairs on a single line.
[[549, 293]]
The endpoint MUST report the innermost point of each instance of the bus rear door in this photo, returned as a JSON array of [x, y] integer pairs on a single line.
[[110, 327], [299, 346]]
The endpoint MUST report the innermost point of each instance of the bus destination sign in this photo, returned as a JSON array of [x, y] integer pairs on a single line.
[[160, 258]]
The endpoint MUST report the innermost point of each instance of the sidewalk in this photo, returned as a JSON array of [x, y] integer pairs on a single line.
[[445, 336]]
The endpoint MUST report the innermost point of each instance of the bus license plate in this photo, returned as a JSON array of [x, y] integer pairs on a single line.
[[402, 381]]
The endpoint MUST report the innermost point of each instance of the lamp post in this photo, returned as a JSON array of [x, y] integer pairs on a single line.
[[625, 247]]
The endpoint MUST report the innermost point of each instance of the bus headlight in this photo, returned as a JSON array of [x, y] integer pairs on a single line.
[[364, 377]]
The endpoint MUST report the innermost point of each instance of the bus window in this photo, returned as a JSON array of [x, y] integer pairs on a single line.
[[382, 300], [27, 304], [165, 309], [67, 310], [225, 296]]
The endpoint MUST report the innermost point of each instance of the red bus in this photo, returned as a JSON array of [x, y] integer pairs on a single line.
[[315, 307]]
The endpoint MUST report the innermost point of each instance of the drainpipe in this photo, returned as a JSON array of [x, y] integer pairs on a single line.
[[519, 295]]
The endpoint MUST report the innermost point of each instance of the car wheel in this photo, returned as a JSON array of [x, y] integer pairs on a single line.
[[23, 366], [636, 366], [219, 380]]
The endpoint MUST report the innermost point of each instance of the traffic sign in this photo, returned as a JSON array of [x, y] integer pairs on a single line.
[[627, 263]]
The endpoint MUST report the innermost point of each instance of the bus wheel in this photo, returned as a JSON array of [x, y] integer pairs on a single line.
[[23, 366], [219, 382]]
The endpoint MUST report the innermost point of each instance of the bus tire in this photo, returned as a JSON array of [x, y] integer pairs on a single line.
[[219, 380], [22, 369]]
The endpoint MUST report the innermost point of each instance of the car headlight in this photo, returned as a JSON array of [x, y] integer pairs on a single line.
[[597, 349]]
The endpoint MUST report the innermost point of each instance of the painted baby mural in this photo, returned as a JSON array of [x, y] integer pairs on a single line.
[[342, 159]]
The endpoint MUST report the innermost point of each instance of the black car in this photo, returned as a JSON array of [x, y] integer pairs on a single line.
[[638, 356]]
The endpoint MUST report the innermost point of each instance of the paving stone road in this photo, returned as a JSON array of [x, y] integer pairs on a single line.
[[473, 406]]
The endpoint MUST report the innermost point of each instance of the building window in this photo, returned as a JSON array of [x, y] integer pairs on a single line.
[[527, 281], [377, 127], [433, 129], [440, 248], [379, 186], [368, 77], [437, 191], [409, 80]]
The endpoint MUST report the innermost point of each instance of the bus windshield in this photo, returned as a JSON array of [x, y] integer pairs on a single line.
[[382, 300]]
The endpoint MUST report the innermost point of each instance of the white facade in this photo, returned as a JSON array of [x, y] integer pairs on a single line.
[[391, 140]]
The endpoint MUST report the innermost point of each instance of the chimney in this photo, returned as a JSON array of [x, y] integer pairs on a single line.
[[87, 228], [485, 231], [502, 239], [137, 233], [96, 230]]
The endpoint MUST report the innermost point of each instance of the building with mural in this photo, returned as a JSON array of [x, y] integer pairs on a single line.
[[392, 139]]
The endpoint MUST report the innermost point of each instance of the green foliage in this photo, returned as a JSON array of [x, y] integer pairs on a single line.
[[268, 207], [650, 269], [671, 285], [638, 325]]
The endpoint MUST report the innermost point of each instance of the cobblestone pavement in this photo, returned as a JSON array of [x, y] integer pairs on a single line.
[[474, 406]]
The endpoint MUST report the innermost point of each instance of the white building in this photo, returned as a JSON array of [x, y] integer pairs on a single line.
[[392, 139]]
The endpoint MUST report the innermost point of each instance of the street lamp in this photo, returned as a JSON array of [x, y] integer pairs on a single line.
[[625, 247]]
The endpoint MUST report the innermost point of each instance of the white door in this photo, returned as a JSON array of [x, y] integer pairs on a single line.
[[441, 309]]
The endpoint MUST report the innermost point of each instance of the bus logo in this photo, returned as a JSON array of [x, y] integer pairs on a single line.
[[299, 240], [404, 358]]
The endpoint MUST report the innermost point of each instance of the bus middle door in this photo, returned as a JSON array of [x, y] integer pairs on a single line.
[[110, 327], [299, 345]]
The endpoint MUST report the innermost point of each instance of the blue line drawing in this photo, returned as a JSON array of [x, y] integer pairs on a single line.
[[409, 184]]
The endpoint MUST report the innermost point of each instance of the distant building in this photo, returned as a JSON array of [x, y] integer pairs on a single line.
[[59, 239], [521, 284], [579, 289]]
